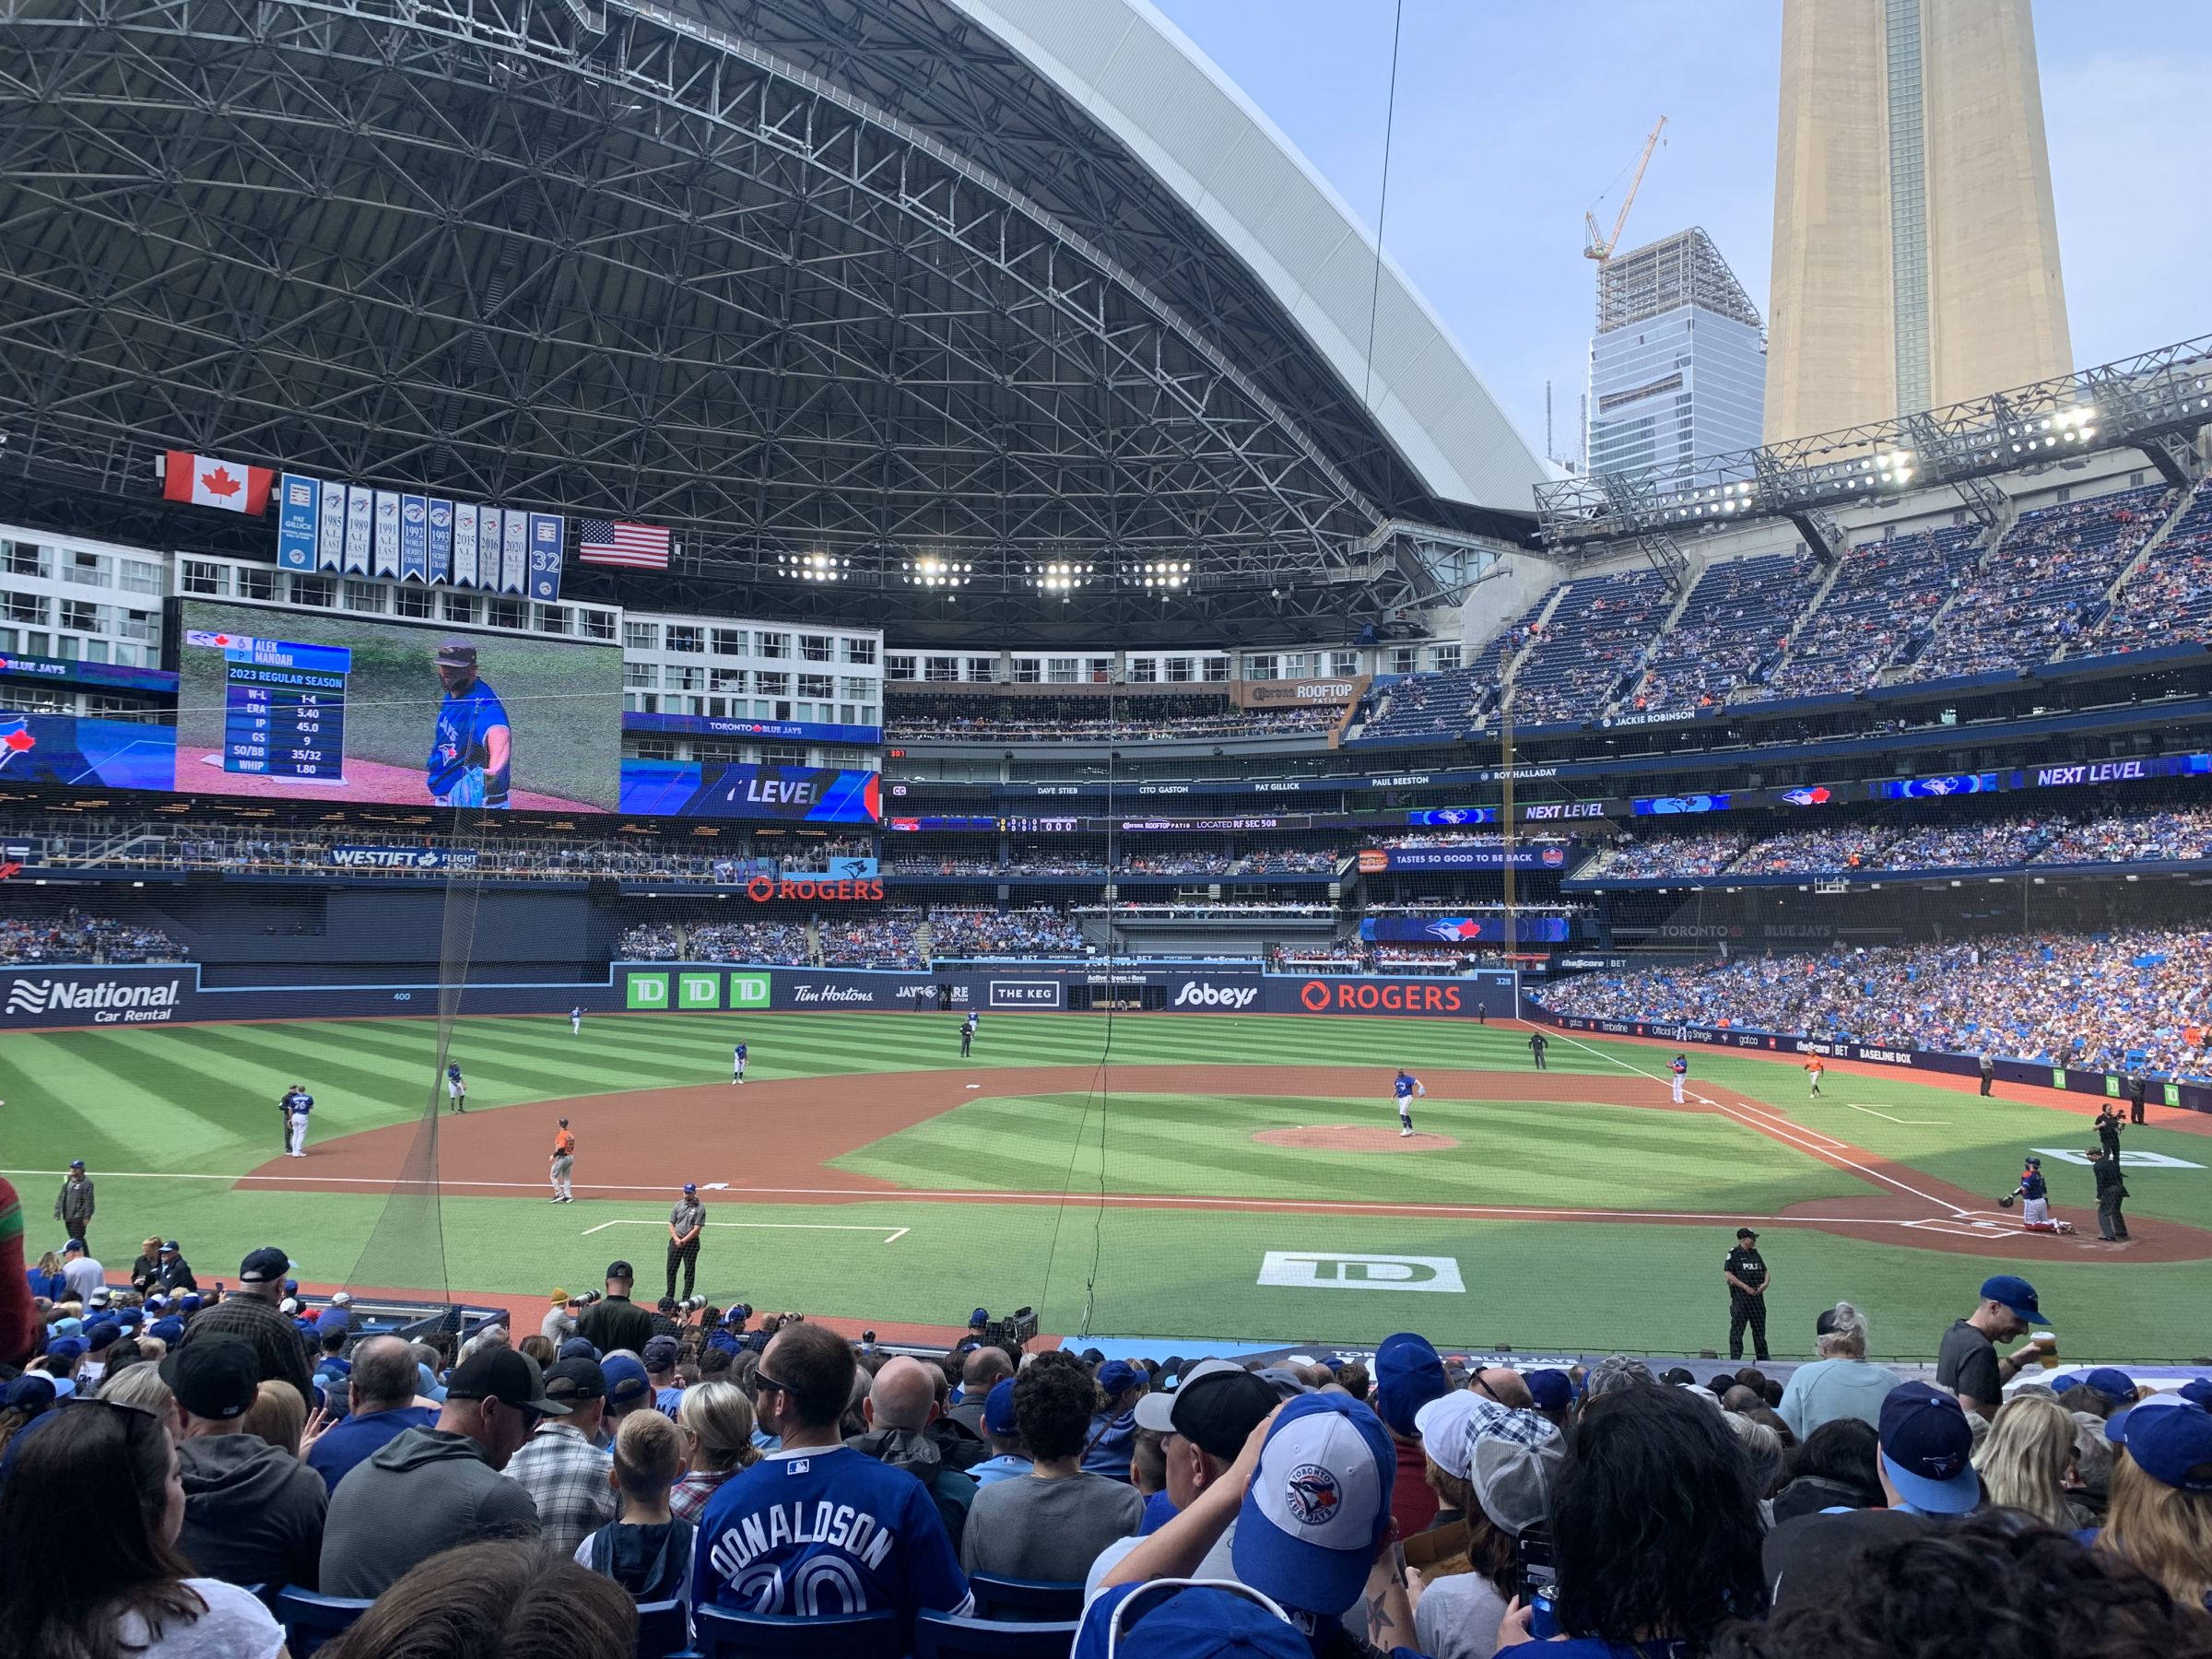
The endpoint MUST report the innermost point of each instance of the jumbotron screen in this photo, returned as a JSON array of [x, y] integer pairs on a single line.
[[318, 706]]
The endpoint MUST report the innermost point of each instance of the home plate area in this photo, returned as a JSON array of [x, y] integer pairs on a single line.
[[1985, 1224], [1353, 1137]]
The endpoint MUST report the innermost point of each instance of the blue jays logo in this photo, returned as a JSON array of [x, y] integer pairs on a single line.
[[1451, 815], [1313, 1495]]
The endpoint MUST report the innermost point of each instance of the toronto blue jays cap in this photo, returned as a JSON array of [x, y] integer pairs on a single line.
[[1551, 1390], [166, 1330], [67, 1348], [627, 1383], [1174, 1619], [690, 1189], [2174, 1446], [1927, 1450], [578, 1348], [2120, 1424], [1408, 1374], [998, 1408], [2198, 1391], [1317, 1506], [2112, 1382], [981, 1316], [2014, 1293], [1117, 1375], [77, 1245]]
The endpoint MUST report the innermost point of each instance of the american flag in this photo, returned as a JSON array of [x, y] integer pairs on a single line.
[[643, 546]]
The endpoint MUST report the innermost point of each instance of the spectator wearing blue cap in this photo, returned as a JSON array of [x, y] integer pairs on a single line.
[[2102, 1392], [1969, 1363], [100, 1338], [1114, 1423], [381, 1403], [1408, 1374], [1173, 1618], [629, 1388], [2160, 1514], [1309, 1497], [1551, 1394], [1003, 1433], [1052, 1521]]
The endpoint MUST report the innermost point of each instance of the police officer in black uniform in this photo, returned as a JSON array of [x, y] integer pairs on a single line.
[[2136, 1087], [1746, 1273], [2108, 1132]]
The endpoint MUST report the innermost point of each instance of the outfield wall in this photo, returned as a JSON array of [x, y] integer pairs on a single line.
[[2192, 1096], [174, 993]]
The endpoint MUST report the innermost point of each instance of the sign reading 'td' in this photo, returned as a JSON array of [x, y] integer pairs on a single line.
[[694, 989], [1333, 1270]]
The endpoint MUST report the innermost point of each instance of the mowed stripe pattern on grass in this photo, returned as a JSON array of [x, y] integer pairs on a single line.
[[1562, 1154]]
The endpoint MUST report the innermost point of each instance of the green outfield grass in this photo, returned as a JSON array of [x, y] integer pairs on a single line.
[[164, 1116]]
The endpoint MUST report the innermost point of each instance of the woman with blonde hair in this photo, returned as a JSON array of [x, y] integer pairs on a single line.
[[2161, 1513], [2024, 1460], [716, 1422]]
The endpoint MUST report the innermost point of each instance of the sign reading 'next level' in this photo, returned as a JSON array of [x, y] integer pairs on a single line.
[[284, 707]]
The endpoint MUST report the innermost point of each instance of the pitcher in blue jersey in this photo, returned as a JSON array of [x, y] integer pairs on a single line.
[[472, 749], [1403, 1089]]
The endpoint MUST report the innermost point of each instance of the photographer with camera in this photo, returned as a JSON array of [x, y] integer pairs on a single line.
[[687, 1222], [559, 1322]]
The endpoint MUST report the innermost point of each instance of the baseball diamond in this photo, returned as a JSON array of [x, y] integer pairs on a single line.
[[1192, 1155]]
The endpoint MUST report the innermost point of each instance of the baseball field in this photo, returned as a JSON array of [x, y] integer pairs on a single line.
[[1169, 1176]]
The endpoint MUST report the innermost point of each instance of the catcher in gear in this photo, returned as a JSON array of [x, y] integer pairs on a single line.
[[2035, 1201]]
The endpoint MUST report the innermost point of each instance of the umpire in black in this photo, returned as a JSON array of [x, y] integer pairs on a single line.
[[2111, 1187], [1536, 1045], [1746, 1273]]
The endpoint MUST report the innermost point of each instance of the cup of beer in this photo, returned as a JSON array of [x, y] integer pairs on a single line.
[[2046, 1349]]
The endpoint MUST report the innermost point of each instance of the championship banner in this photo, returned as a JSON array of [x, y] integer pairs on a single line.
[[1299, 693], [323, 525]]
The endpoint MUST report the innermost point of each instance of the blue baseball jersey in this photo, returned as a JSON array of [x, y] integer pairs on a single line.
[[300, 1102], [453, 1073], [2033, 1184], [826, 1530], [460, 744], [1678, 1065], [738, 1051], [1402, 1088]]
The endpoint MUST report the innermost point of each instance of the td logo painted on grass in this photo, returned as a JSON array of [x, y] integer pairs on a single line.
[[1312, 1269]]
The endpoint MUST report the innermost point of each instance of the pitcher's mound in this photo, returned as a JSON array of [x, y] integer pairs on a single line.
[[1352, 1138]]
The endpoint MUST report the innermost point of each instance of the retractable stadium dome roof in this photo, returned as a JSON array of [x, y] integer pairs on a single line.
[[952, 314]]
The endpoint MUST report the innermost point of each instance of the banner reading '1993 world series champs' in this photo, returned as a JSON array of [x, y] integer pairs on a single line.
[[428, 539]]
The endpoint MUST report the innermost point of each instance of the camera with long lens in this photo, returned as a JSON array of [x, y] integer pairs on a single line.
[[586, 1299], [692, 1304]]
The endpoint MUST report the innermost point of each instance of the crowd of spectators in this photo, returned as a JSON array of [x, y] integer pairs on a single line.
[[2169, 601], [2130, 1000], [1879, 609], [1421, 705], [780, 943], [1731, 630], [889, 939], [2043, 584], [1593, 638], [1272, 861], [941, 863], [1037, 932], [528, 1493], [74, 936], [1133, 714], [2014, 842]]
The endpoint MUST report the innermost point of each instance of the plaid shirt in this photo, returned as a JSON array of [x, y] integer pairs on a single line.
[[687, 1497], [566, 1478]]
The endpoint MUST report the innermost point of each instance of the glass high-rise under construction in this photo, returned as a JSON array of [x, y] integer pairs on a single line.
[[1676, 370]]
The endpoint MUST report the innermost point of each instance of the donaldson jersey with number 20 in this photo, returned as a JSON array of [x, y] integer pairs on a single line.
[[823, 1531]]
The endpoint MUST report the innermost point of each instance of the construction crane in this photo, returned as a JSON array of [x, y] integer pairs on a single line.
[[1601, 248]]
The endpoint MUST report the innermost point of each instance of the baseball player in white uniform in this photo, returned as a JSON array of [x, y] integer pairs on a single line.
[[576, 1021]]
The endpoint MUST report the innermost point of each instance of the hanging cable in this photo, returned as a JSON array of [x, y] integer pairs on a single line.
[[1390, 120]]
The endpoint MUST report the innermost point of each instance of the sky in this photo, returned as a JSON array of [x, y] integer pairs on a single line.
[[1514, 117]]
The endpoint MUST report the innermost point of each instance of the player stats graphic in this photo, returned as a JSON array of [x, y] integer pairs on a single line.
[[322, 707]]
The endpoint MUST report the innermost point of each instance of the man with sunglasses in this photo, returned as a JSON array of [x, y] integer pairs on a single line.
[[815, 1527], [432, 1489]]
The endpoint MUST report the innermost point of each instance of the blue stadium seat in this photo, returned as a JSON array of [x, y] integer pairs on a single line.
[[1024, 1598], [663, 1631], [940, 1636], [725, 1634], [311, 1618]]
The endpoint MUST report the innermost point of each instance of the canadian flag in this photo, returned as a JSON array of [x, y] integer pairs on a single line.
[[206, 481]]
